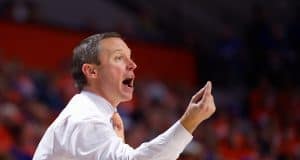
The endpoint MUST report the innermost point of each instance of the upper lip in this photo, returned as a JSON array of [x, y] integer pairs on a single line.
[[130, 76]]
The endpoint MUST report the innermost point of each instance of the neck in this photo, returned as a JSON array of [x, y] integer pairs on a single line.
[[113, 102]]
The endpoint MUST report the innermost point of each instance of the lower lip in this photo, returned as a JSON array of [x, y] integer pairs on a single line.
[[130, 89]]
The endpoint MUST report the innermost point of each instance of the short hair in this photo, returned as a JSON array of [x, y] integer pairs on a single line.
[[87, 51]]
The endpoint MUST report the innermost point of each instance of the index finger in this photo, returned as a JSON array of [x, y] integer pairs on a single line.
[[207, 91]]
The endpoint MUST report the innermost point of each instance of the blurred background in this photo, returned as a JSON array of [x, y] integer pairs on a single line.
[[249, 49]]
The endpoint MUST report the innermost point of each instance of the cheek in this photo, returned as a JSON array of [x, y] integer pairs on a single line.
[[117, 71], [114, 74]]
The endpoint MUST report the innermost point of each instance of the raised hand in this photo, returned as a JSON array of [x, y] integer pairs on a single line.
[[200, 108]]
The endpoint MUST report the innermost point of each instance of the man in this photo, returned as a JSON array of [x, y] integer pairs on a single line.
[[90, 128]]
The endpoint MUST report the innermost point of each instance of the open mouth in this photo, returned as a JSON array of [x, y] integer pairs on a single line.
[[128, 82]]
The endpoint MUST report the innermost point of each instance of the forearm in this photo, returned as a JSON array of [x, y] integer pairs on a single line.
[[97, 141], [168, 145]]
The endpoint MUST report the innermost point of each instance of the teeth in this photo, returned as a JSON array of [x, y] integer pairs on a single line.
[[131, 83]]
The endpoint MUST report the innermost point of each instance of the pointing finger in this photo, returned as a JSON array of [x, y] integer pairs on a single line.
[[207, 91]]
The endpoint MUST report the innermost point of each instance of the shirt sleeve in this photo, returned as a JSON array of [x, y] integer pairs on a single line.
[[97, 141]]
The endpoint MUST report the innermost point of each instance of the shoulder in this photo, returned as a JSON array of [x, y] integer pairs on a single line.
[[80, 111], [81, 107]]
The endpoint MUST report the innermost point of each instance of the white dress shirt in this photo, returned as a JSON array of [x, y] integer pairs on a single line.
[[83, 131]]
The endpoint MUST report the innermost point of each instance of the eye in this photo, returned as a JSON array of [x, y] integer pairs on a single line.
[[119, 57]]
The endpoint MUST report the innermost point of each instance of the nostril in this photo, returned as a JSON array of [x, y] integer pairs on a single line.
[[131, 65]]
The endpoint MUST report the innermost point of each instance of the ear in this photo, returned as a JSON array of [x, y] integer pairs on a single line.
[[89, 70]]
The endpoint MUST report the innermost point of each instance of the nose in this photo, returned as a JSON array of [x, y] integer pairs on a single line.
[[131, 65]]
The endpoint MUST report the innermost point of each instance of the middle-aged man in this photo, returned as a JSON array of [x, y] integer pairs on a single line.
[[89, 127]]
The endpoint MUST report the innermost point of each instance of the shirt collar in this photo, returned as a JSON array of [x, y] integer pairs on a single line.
[[100, 102]]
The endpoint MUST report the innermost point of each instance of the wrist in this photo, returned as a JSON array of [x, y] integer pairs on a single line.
[[189, 124]]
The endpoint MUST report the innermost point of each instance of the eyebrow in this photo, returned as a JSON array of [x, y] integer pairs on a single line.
[[120, 50]]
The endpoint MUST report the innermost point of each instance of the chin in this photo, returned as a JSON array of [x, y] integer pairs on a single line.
[[126, 98]]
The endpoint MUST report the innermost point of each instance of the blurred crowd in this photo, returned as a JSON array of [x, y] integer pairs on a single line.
[[255, 84], [263, 48], [29, 102], [257, 90]]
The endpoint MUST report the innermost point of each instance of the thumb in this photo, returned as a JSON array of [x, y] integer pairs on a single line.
[[198, 95]]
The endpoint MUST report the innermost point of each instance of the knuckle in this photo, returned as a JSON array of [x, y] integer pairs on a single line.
[[193, 97]]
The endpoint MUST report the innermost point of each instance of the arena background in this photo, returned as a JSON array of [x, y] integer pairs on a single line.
[[248, 49]]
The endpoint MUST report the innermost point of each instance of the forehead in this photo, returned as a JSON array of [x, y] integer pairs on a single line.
[[114, 44]]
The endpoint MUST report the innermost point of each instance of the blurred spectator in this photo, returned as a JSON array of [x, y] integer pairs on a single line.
[[229, 51], [193, 151]]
